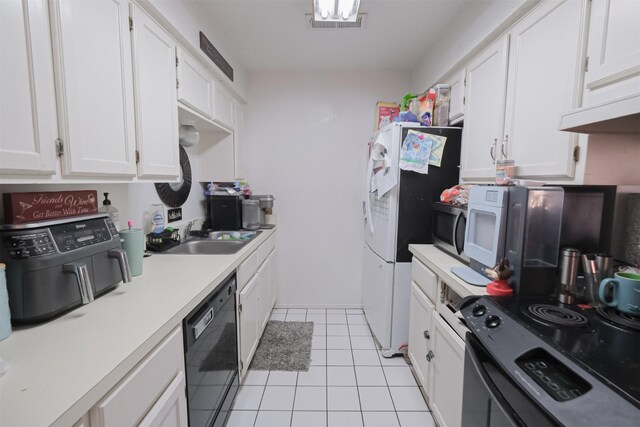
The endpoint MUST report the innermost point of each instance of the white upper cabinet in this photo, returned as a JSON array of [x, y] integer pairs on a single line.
[[154, 65], [457, 100], [484, 114], [196, 86], [611, 102], [546, 58], [613, 50], [28, 111], [224, 107], [92, 52]]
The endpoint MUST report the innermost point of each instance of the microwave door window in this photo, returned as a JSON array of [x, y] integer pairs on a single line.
[[443, 224]]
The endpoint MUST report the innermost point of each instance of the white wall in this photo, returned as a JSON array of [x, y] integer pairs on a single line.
[[307, 136], [479, 21], [133, 201]]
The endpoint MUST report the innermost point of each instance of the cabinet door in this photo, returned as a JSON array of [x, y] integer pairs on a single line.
[[196, 86], [92, 53], [484, 111], [248, 323], [545, 65], [613, 49], [420, 334], [457, 99], [447, 371], [135, 397], [154, 72], [273, 281], [28, 108], [263, 296], [170, 410], [224, 107]]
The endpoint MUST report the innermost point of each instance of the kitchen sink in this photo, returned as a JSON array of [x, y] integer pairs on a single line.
[[210, 246]]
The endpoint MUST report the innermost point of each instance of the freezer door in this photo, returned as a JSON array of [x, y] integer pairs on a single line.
[[378, 296], [381, 216]]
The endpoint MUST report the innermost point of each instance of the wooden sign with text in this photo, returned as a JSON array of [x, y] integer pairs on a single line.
[[20, 208]]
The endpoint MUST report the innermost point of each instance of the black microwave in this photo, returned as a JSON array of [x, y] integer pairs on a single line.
[[448, 224]]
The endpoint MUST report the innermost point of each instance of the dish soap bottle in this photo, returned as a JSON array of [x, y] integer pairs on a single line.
[[157, 219], [110, 210]]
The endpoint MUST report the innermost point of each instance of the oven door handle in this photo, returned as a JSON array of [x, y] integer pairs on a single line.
[[456, 224], [491, 388]]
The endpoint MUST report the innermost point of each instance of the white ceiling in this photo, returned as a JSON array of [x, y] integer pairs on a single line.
[[273, 34]]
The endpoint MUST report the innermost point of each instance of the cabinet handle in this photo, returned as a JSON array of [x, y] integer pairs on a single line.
[[502, 147], [426, 334], [492, 150], [429, 356]]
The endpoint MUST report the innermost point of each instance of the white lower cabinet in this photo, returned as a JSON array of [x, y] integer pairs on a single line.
[[256, 297], [248, 323], [420, 334], [436, 350], [447, 372], [152, 394]]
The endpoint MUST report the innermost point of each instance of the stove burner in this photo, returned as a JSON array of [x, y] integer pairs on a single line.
[[618, 318], [552, 314]]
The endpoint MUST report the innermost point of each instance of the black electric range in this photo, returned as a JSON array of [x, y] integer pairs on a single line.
[[575, 365]]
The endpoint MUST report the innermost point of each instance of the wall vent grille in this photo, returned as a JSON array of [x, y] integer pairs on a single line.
[[321, 25]]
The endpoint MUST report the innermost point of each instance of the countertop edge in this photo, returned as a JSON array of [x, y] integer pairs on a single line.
[[70, 415], [433, 258]]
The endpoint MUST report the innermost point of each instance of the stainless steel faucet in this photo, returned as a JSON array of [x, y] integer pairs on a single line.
[[187, 230]]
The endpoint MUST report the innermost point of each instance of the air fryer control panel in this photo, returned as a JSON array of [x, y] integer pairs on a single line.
[[62, 238]]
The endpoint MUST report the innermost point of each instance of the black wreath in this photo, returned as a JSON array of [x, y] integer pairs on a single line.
[[175, 194]]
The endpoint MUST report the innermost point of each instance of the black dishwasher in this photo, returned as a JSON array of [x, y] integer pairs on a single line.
[[211, 356]]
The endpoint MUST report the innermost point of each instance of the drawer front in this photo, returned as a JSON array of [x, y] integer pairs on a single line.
[[129, 401], [426, 279], [248, 269], [264, 250]]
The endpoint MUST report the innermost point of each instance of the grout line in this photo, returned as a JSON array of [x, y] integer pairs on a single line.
[[261, 397], [355, 375]]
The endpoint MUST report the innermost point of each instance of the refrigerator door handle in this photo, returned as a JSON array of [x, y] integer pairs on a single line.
[[367, 199]]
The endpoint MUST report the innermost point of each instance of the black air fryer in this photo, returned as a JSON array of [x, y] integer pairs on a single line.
[[224, 212]]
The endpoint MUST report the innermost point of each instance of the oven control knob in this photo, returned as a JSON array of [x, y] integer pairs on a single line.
[[492, 322], [479, 310]]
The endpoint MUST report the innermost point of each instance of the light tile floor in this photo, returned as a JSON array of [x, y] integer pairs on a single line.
[[349, 383]]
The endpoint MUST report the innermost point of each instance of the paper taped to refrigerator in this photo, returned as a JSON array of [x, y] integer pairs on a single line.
[[437, 148], [416, 152], [385, 179]]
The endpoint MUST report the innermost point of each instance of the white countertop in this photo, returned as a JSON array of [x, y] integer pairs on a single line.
[[59, 370], [441, 264]]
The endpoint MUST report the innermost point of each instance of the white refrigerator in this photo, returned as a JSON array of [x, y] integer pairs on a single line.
[[402, 216]]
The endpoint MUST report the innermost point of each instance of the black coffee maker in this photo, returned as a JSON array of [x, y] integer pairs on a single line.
[[224, 212]]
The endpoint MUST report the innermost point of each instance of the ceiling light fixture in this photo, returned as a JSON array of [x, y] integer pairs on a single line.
[[336, 10]]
